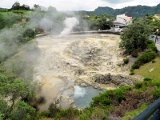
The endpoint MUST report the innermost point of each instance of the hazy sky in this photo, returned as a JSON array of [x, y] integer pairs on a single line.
[[80, 4]]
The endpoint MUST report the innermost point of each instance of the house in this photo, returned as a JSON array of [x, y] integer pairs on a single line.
[[121, 22]]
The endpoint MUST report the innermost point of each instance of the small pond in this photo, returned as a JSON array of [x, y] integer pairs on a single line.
[[83, 95]]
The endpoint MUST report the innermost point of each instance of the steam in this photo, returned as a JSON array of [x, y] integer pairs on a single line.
[[9, 41], [46, 24], [22, 58], [69, 23], [79, 92]]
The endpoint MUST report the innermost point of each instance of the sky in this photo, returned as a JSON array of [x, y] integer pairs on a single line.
[[68, 5]]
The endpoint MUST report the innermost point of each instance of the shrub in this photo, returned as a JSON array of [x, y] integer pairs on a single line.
[[132, 72], [106, 98], [157, 93], [151, 46], [136, 65], [153, 61], [144, 58], [102, 100], [28, 35], [138, 85], [53, 110], [68, 114], [86, 114], [147, 79], [119, 94], [134, 53], [126, 61]]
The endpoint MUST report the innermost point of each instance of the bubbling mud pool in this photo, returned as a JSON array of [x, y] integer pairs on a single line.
[[66, 62]]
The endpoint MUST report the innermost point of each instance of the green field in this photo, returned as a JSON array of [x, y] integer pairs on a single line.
[[150, 70]]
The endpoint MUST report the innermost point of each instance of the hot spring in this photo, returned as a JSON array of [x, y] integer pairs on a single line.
[[73, 59], [66, 63]]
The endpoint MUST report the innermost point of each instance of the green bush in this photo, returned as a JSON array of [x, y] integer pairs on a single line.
[[138, 85], [151, 46], [11, 18], [28, 35], [106, 98], [147, 79], [86, 114], [53, 110], [132, 72], [126, 61], [102, 100], [156, 93], [68, 114], [134, 53], [144, 58]]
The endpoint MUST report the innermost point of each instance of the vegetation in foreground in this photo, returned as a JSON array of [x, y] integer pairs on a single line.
[[15, 94]]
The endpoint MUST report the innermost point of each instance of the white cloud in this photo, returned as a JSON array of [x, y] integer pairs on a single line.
[[79, 4]]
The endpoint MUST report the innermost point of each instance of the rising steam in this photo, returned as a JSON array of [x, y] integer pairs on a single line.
[[79, 92], [69, 23]]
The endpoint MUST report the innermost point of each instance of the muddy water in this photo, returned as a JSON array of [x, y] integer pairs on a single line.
[[70, 60]]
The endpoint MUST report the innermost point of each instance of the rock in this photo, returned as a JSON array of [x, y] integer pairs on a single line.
[[115, 79], [121, 80], [103, 79], [83, 85]]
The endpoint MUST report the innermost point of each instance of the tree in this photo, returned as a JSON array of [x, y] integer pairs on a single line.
[[23, 111], [135, 37], [15, 90], [102, 22], [36, 6], [3, 108], [16, 6]]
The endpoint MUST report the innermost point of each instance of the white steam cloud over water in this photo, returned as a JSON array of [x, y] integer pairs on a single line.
[[79, 92]]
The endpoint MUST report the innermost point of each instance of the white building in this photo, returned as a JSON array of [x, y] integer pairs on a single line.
[[121, 22]]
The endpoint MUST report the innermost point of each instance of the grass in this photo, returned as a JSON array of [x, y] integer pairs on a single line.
[[130, 115], [150, 70]]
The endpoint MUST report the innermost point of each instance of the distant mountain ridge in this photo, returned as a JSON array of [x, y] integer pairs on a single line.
[[134, 11]]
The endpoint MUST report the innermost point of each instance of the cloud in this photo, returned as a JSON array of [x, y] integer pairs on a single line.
[[117, 1], [65, 5]]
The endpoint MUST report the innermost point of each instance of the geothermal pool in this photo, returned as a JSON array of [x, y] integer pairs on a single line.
[[59, 64], [74, 59], [83, 96]]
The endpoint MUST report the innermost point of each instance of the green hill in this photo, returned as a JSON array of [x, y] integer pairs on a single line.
[[134, 11]]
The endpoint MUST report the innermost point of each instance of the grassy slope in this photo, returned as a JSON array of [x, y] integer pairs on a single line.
[[150, 70], [132, 114]]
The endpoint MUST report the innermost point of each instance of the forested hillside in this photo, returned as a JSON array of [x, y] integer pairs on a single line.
[[134, 11]]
